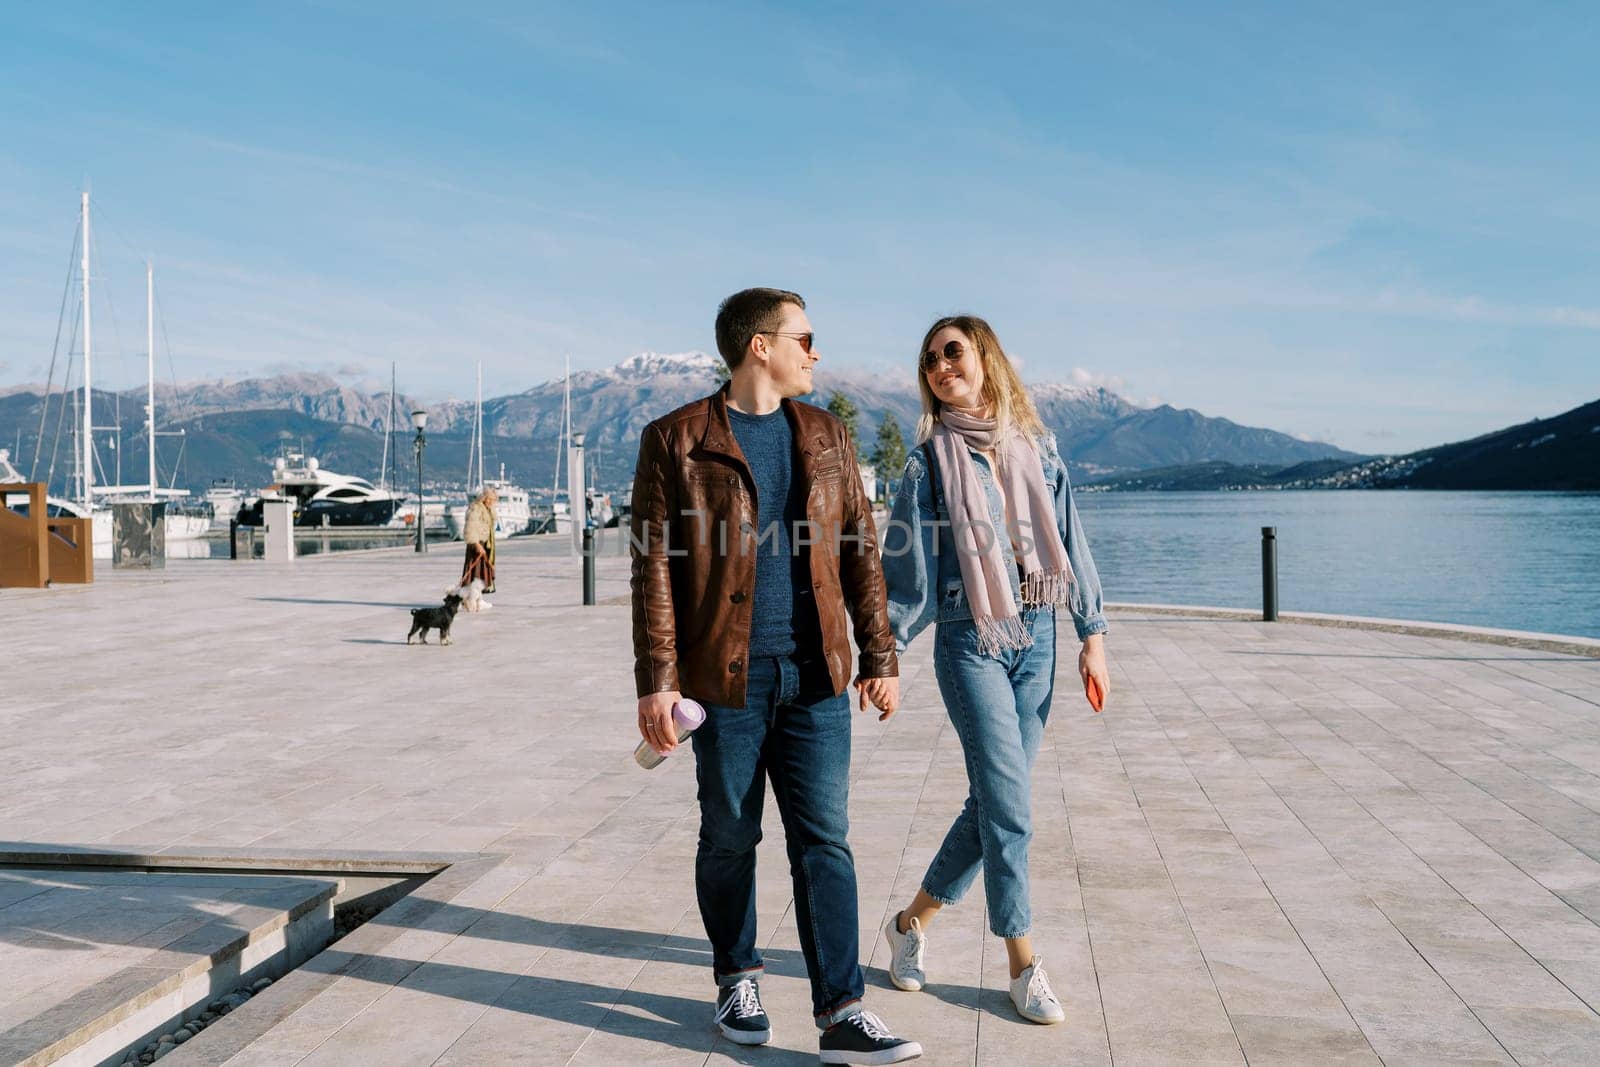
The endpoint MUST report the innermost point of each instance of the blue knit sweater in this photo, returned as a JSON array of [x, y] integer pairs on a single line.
[[784, 611]]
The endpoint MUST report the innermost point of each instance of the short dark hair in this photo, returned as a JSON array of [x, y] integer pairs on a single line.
[[747, 313]]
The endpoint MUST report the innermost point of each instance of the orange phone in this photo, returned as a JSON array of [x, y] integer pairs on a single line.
[[1097, 698]]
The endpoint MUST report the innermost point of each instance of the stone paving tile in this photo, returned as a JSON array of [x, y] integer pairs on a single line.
[[1144, 948], [1368, 963], [1286, 843]]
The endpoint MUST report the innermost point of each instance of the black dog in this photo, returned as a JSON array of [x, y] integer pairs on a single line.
[[440, 618]]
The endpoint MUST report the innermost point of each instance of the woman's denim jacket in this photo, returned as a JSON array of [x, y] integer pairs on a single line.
[[923, 573]]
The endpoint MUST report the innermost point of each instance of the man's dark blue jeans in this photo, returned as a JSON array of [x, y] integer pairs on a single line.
[[795, 731]]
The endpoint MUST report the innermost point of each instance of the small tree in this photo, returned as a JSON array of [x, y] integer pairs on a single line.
[[844, 409], [889, 454]]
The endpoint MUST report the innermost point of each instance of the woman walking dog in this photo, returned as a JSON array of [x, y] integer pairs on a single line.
[[994, 547], [479, 537]]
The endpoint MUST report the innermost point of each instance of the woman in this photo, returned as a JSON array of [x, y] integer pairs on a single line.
[[992, 547], [479, 536]]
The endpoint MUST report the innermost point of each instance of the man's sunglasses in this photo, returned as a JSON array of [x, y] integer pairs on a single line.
[[951, 354], [805, 339]]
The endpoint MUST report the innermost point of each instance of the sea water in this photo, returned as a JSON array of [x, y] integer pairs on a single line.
[[1519, 561]]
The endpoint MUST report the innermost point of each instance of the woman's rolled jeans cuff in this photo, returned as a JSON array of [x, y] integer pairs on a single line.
[[945, 899]]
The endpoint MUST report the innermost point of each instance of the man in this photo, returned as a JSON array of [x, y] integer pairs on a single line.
[[479, 536], [751, 537]]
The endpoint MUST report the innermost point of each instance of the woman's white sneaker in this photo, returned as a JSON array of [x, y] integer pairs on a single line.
[[1033, 997], [905, 960]]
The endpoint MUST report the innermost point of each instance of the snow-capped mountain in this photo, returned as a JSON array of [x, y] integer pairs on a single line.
[[647, 367], [1100, 432]]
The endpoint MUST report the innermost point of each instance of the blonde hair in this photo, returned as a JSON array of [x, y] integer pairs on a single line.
[[1002, 388]]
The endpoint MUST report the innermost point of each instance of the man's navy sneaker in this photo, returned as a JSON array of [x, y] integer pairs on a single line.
[[864, 1038], [740, 1016]]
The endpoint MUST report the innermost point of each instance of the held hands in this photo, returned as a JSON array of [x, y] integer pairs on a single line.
[[1092, 669], [655, 721], [883, 692]]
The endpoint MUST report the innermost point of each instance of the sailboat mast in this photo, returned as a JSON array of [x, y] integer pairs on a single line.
[[566, 425], [478, 430], [388, 431], [150, 370], [472, 450], [86, 438]]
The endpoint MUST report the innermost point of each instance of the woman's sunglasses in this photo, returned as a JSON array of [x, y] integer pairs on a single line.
[[805, 339], [951, 354]]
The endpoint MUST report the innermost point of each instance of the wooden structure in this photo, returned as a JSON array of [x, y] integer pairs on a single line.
[[36, 549]]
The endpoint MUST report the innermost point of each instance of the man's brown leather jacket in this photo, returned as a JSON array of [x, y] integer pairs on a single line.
[[694, 544]]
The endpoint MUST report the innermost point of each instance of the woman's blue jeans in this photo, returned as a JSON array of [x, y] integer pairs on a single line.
[[999, 706], [794, 731]]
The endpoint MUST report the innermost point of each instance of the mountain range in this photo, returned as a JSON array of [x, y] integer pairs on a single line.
[[233, 429], [1558, 454]]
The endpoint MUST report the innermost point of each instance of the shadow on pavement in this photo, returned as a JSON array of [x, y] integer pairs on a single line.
[[343, 603]]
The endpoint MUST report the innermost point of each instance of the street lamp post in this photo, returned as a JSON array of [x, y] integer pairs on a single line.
[[419, 419], [578, 490], [580, 514]]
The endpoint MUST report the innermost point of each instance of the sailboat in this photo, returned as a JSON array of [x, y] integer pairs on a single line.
[[512, 512], [556, 516], [94, 501]]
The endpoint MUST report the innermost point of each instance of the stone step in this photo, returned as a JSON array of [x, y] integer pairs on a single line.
[[96, 961]]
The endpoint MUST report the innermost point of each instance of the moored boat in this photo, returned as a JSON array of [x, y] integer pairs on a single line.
[[322, 497]]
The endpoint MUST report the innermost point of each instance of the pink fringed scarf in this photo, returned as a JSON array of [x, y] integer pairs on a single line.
[[1030, 513]]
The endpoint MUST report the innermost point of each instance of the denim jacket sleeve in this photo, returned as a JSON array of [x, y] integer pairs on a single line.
[[910, 555], [1088, 602]]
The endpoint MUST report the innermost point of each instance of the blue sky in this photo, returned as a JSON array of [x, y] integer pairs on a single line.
[[1372, 226]]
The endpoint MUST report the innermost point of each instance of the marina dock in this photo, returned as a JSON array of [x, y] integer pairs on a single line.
[[1280, 843]]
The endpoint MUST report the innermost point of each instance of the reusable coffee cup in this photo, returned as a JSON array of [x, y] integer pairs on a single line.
[[687, 717]]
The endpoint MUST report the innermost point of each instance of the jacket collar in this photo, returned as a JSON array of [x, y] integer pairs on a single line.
[[718, 434], [810, 431]]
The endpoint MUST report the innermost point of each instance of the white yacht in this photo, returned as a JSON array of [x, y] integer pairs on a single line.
[[9, 475], [180, 525], [225, 499], [322, 497]]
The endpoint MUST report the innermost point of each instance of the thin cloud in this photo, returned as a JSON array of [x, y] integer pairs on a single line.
[[543, 35], [1476, 309], [1181, 285], [391, 175]]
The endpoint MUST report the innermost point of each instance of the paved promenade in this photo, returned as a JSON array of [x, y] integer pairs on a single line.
[[1280, 843]]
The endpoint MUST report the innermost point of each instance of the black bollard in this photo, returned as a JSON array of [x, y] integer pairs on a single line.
[[233, 538], [588, 565], [1269, 574]]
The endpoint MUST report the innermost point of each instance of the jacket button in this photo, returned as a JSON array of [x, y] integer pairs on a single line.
[[738, 597], [735, 667]]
